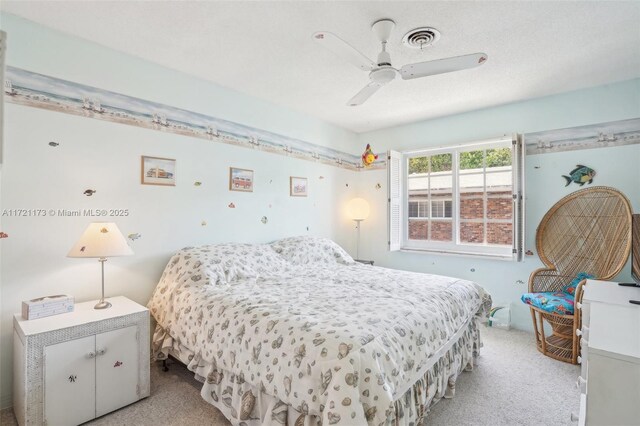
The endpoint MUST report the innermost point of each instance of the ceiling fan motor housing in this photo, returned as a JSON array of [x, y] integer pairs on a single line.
[[384, 58], [382, 75]]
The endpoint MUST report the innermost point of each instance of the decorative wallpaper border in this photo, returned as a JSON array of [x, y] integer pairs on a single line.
[[40, 91], [602, 135]]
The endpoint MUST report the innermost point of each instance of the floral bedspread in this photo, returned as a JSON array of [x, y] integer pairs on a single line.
[[333, 338]]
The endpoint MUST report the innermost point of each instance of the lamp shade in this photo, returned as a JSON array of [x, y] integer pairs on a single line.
[[101, 239], [358, 209]]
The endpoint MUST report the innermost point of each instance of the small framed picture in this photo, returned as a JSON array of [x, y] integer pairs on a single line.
[[240, 180], [158, 171], [297, 186]]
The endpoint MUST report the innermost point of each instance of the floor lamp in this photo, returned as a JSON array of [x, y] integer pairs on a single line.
[[358, 210]]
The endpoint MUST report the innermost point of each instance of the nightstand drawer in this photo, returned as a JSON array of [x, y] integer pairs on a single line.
[[612, 328]]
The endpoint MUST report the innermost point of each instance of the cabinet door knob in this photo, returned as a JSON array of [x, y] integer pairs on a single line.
[[91, 355], [101, 351]]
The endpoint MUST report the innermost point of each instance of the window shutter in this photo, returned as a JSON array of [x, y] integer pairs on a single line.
[[394, 175], [518, 197]]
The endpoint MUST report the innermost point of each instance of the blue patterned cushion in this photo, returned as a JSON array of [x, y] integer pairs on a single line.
[[571, 287], [557, 302]]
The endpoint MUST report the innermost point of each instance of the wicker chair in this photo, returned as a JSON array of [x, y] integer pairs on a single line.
[[586, 231]]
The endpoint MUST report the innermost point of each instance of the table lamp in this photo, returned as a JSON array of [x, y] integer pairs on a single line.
[[358, 210], [101, 240]]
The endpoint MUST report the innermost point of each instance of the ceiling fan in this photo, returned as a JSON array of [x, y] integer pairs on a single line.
[[381, 72]]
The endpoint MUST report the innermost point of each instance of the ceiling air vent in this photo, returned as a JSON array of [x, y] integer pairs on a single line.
[[421, 37]]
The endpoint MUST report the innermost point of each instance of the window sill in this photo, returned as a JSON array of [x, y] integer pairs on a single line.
[[506, 257]]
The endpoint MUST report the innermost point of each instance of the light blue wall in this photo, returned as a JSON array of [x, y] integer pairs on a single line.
[[611, 102], [105, 156], [38, 49], [616, 167]]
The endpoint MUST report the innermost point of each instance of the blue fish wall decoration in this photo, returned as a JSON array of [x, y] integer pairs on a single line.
[[580, 175]]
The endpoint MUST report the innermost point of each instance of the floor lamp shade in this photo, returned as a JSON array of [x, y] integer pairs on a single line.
[[101, 239], [358, 209]]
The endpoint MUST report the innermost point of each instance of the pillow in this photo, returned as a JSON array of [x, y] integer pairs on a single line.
[[223, 263], [557, 302], [305, 250], [571, 287]]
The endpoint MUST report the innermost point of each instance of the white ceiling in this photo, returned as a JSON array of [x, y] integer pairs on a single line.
[[265, 49]]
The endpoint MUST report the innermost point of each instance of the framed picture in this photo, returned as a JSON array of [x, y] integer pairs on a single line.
[[240, 180], [297, 186], [158, 171]]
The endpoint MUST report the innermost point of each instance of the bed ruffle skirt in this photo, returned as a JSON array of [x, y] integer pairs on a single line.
[[247, 405]]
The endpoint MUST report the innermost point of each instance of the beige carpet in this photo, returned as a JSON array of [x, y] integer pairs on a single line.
[[513, 384]]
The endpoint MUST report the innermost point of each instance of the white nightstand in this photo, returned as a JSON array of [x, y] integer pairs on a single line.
[[74, 367]]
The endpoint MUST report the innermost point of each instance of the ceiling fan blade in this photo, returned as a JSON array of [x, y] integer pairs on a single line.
[[441, 66], [343, 50], [364, 94]]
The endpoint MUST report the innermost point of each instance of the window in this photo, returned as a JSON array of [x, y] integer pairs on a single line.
[[441, 209], [418, 209], [465, 199]]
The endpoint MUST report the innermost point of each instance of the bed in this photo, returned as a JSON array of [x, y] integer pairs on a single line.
[[298, 333]]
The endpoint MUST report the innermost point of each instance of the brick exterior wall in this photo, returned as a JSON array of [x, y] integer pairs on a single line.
[[418, 229], [471, 232], [441, 230], [499, 207], [471, 208], [499, 233]]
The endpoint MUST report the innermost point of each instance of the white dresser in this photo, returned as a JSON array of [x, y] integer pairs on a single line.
[[71, 368], [610, 355]]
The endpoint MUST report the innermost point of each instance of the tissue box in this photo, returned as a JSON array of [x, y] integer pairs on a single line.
[[47, 306]]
